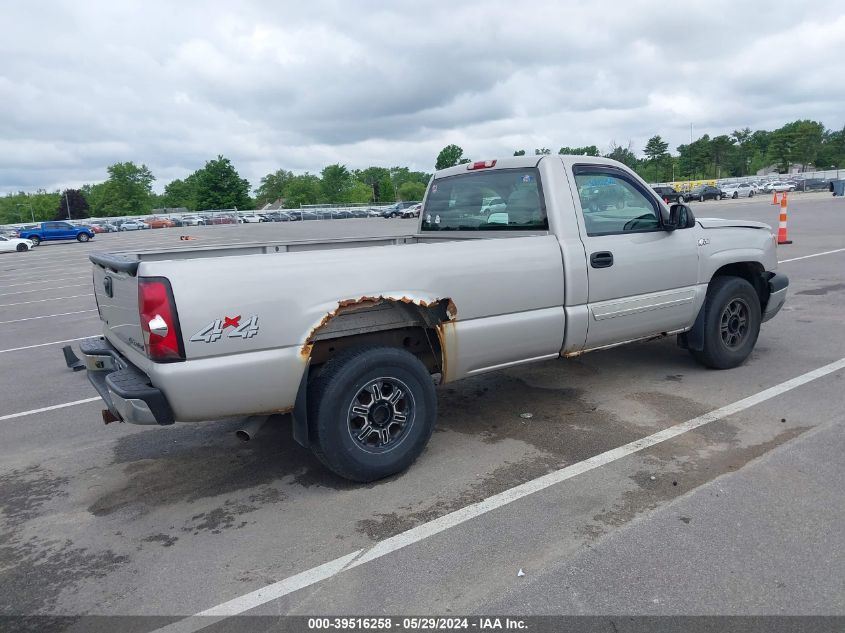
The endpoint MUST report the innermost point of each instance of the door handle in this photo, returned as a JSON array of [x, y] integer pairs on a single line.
[[601, 259]]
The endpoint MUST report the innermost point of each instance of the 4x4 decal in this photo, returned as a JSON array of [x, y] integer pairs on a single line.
[[215, 330]]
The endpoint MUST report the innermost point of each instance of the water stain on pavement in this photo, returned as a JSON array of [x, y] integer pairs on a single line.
[[190, 462], [822, 290], [680, 467], [34, 571]]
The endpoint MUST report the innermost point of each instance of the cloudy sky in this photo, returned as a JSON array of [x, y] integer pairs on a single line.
[[299, 85]]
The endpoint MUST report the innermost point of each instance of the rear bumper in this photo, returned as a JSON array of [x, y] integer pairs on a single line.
[[124, 388], [778, 285]]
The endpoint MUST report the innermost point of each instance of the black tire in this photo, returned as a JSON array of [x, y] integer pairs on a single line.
[[681, 200], [83, 237], [750, 194], [336, 432], [701, 198], [727, 342], [21, 248], [736, 195], [35, 240]]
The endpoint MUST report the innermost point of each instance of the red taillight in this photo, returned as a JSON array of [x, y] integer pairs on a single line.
[[482, 164], [159, 322]]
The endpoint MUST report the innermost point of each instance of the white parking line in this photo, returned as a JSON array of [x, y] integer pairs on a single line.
[[317, 574], [795, 259], [21, 292], [12, 416], [46, 316], [70, 340], [41, 281], [21, 303]]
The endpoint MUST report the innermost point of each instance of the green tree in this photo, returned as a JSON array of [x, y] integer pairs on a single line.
[[219, 186], [519, 152], [656, 148], [411, 191], [72, 206], [624, 155], [450, 156], [302, 189], [587, 150], [181, 193], [128, 190], [335, 183], [272, 187], [542, 151]]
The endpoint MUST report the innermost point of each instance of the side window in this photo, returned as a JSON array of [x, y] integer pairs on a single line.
[[613, 203], [52, 226]]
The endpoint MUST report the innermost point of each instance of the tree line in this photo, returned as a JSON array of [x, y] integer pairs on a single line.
[[807, 144], [128, 188]]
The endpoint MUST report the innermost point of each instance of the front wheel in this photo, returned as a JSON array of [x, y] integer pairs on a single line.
[[736, 195], [681, 199], [701, 198], [21, 248], [371, 411], [731, 323], [83, 237], [35, 240], [750, 194]]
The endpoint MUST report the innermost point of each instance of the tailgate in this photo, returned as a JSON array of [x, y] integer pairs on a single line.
[[116, 290]]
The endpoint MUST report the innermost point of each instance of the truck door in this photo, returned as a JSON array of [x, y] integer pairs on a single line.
[[642, 278]]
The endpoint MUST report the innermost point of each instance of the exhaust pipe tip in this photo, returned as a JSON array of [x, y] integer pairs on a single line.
[[250, 429]]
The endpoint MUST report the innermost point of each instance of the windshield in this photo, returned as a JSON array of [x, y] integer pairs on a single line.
[[504, 199]]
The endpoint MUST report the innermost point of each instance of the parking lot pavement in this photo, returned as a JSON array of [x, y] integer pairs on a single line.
[[171, 521]]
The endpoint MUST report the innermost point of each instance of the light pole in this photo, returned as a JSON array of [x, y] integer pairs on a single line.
[[67, 204]]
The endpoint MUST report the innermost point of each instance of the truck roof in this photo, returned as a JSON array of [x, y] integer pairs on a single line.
[[521, 162]]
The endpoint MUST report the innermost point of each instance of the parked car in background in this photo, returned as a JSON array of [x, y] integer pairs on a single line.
[[813, 184], [705, 192], [738, 190], [192, 220], [157, 222], [101, 226], [223, 219], [669, 194], [54, 231], [413, 212], [14, 244], [778, 186], [249, 218], [395, 210], [132, 225], [493, 205]]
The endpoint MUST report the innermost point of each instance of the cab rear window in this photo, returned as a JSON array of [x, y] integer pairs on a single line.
[[496, 200]]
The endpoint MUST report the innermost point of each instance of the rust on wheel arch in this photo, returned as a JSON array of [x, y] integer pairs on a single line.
[[346, 305]]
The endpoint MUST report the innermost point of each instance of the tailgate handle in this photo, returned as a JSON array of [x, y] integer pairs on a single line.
[[601, 259]]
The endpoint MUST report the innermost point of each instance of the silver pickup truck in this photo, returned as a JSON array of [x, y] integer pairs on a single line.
[[352, 335]]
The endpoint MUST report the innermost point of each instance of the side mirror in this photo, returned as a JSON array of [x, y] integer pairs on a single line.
[[680, 217]]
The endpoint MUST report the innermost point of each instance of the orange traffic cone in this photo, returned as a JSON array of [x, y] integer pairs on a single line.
[[774, 197], [782, 237], [784, 196]]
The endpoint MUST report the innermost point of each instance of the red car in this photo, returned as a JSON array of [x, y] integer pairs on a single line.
[[96, 228], [223, 219]]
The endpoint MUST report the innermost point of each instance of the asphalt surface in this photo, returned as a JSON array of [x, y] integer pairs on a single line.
[[740, 516]]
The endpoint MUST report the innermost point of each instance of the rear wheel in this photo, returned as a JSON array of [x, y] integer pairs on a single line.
[[681, 199], [83, 237], [701, 198], [21, 248], [371, 412], [731, 323], [35, 240], [736, 195]]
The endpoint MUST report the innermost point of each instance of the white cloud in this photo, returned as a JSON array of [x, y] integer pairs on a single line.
[[298, 86]]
